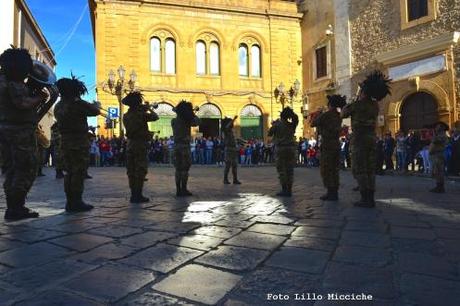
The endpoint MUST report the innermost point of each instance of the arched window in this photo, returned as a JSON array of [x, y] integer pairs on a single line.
[[243, 60], [214, 58], [155, 54], [200, 57], [255, 61], [170, 56]]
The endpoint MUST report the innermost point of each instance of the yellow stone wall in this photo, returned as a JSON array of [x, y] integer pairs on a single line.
[[122, 32]]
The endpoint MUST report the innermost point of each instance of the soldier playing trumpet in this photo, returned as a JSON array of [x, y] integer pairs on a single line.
[[18, 122], [231, 150], [181, 126], [364, 112], [329, 126], [137, 132], [71, 114], [283, 133]]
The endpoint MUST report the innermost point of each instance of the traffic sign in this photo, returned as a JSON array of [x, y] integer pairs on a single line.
[[113, 112]]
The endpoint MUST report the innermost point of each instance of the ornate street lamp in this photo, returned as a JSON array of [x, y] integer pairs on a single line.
[[119, 87]]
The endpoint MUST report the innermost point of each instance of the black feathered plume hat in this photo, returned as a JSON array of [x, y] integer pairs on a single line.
[[71, 87], [376, 86], [184, 110], [287, 113], [16, 63], [337, 100], [134, 98]]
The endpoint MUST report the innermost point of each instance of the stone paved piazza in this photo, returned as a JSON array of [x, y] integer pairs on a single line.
[[233, 245]]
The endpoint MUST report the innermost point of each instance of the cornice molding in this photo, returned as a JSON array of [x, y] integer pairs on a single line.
[[427, 47]]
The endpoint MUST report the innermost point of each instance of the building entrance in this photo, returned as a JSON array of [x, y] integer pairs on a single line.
[[210, 116], [418, 111]]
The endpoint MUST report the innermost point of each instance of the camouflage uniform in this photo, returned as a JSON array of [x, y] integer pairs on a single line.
[[71, 116], [56, 143], [231, 154], [137, 132], [436, 149], [364, 115], [285, 152], [18, 143], [42, 144], [182, 155], [329, 126]]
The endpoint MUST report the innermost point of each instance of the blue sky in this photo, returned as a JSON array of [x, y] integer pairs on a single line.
[[71, 40]]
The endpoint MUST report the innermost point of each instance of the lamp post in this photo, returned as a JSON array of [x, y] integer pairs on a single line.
[[119, 87], [281, 95]]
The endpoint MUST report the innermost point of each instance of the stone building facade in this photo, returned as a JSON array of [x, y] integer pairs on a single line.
[[414, 41], [225, 56]]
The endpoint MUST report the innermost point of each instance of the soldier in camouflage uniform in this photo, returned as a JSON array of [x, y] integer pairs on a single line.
[[71, 114], [18, 122], [137, 132], [57, 154], [283, 133], [436, 149], [181, 126], [329, 125], [364, 113], [231, 150]]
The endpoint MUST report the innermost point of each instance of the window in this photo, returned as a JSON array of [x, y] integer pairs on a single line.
[[416, 9], [321, 62], [155, 54], [214, 58], [255, 61], [243, 60], [417, 12], [170, 56], [250, 58], [163, 53], [200, 57], [208, 55]]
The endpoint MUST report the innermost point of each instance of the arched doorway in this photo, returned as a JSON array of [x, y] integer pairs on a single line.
[[162, 127], [251, 122], [418, 111], [210, 116]]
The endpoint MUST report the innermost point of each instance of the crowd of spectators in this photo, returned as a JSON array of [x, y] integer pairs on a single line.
[[410, 152], [402, 153], [210, 151]]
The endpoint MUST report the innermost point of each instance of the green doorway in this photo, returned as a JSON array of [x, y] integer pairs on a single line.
[[162, 127], [251, 122]]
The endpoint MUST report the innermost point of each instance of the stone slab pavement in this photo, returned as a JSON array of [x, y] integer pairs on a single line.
[[233, 245]]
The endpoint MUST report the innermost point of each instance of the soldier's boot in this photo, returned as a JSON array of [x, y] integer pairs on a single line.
[[283, 191], [138, 197], [77, 204], [16, 210], [366, 201], [370, 197], [288, 190], [59, 174], [185, 192], [438, 189], [235, 176], [331, 195], [178, 184], [226, 171]]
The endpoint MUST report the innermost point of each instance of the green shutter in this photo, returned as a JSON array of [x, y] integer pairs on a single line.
[[163, 125], [251, 127]]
